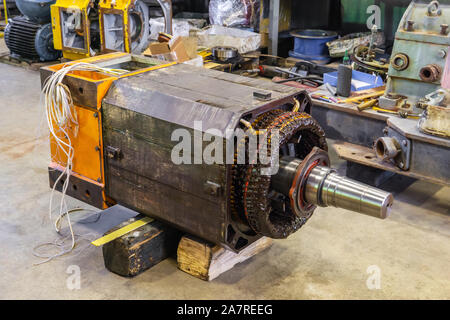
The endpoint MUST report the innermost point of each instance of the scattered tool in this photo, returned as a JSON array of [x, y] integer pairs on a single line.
[[330, 89], [365, 57], [311, 68], [324, 98], [224, 53], [361, 98], [401, 113], [367, 105], [164, 37], [311, 80], [269, 71], [295, 74]]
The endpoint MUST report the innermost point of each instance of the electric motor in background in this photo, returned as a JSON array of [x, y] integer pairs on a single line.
[[30, 36]]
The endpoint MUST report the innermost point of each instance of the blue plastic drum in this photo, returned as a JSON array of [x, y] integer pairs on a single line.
[[311, 45]]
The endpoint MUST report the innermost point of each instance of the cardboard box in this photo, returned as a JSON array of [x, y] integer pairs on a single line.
[[178, 48], [174, 50], [157, 48]]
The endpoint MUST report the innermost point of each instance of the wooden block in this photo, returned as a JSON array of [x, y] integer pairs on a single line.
[[141, 249], [207, 261]]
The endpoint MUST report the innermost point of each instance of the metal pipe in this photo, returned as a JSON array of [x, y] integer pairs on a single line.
[[386, 148], [166, 6], [324, 188]]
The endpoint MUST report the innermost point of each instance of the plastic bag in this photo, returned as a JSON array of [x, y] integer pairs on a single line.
[[234, 13], [243, 40], [181, 27]]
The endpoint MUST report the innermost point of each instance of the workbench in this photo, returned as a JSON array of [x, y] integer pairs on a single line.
[[356, 131]]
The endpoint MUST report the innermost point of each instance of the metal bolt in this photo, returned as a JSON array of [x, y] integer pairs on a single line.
[[96, 115], [400, 165], [410, 25], [385, 131], [444, 29], [97, 148], [405, 143]]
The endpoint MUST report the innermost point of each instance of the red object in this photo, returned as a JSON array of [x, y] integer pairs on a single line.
[[295, 84]]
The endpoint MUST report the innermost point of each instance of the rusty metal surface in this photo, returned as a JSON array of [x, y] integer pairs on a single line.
[[139, 115], [81, 189], [182, 91], [420, 50], [365, 156], [409, 129], [429, 156]]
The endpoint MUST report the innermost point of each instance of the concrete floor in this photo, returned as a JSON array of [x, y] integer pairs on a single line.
[[327, 259]]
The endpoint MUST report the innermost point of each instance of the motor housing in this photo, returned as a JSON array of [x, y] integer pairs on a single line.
[[30, 36], [177, 143]]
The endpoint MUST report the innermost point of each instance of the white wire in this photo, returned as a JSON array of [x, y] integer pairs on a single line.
[[61, 117], [60, 243]]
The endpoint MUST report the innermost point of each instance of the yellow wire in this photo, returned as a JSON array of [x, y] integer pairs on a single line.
[[6, 11], [296, 106]]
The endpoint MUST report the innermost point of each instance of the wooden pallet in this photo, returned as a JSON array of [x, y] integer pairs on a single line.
[[5, 57], [207, 261]]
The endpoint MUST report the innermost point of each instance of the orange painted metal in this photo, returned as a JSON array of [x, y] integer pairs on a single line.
[[87, 139], [86, 142]]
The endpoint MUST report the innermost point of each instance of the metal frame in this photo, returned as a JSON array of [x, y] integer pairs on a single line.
[[274, 18], [429, 156], [102, 12], [86, 33]]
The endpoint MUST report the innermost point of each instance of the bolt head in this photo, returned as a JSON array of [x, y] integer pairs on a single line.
[[410, 25]]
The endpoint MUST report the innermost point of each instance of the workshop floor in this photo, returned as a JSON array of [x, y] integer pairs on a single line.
[[327, 259]]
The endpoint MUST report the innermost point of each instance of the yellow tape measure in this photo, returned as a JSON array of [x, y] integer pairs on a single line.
[[122, 231]]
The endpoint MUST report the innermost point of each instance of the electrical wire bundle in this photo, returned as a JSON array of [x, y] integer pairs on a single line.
[[62, 121]]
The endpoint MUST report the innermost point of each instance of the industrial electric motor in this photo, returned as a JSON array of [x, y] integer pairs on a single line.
[[419, 56], [144, 116], [30, 35]]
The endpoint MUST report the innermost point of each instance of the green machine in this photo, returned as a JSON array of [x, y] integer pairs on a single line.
[[419, 55]]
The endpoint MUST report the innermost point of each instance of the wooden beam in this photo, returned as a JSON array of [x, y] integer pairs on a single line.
[[140, 249], [207, 261]]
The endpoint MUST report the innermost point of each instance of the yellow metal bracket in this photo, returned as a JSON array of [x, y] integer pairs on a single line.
[[6, 11], [122, 231]]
